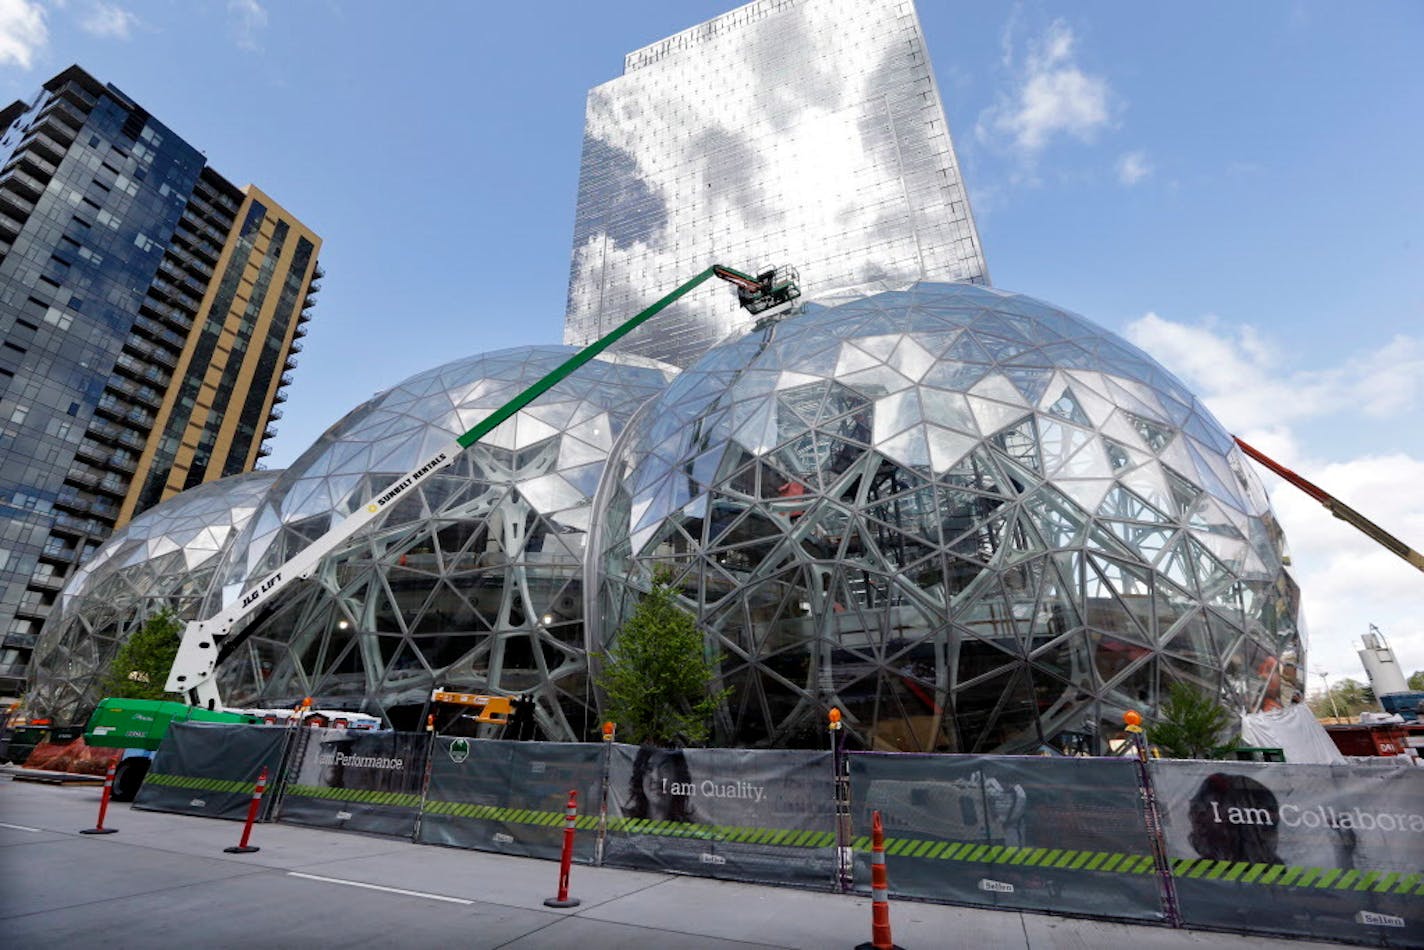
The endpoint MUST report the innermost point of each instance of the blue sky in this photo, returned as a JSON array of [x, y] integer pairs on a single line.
[[1234, 187]]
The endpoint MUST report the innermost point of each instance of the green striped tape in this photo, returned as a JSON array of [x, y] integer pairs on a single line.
[[779, 837], [357, 796], [198, 784], [1240, 872]]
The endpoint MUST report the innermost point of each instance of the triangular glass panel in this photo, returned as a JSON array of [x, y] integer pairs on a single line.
[[1061, 523], [1123, 504], [1020, 443], [1191, 640], [1066, 407], [1155, 434], [1069, 658]]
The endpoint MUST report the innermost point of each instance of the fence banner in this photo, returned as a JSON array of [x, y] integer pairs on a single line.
[[1332, 852], [736, 814], [356, 779], [510, 797], [1062, 834], [209, 769]]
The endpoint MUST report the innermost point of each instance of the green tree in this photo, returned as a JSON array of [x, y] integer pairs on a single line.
[[1346, 700], [141, 668], [658, 677], [1416, 681], [1192, 725]]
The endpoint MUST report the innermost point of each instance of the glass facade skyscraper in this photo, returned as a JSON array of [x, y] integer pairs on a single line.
[[807, 132], [150, 311]]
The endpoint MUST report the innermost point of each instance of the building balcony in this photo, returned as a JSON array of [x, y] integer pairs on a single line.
[[14, 203], [146, 396], [133, 440], [295, 347], [45, 146], [36, 164], [47, 581], [25, 641], [10, 227], [56, 129], [23, 184], [74, 93], [122, 463], [142, 367], [274, 413], [65, 114], [104, 429], [32, 607], [174, 317], [92, 452], [140, 417], [81, 475], [115, 487], [174, 294]]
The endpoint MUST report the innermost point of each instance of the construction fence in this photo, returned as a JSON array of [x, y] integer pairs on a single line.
[[1326, 852]]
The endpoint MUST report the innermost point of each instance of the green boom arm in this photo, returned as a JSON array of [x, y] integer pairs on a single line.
[[206, 641]]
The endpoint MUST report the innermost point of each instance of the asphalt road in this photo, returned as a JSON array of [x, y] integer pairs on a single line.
[[164, 881]]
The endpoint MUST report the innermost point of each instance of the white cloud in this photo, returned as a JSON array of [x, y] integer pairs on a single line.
[[1133, 167], [1051, 97], [1347, 581], [1250, 386], [22, 32], [108, 19], [249, 19]]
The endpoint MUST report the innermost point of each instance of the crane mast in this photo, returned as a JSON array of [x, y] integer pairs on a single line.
[[1338, 508]]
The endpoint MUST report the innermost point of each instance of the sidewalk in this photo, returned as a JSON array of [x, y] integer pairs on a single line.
[[163, 881]]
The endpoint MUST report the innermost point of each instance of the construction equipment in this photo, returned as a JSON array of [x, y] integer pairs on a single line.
[[206, 642], [138, 726], [478, 715], [1338, 508]]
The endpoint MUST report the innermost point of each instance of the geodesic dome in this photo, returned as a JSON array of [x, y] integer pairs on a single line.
[[166, 558], [473, 580], [970, 520]]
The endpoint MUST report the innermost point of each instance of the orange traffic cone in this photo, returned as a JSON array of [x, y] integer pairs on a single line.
[[879, 891]]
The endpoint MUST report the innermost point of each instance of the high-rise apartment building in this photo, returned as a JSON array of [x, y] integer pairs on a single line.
[[150, 313], [807, 132]]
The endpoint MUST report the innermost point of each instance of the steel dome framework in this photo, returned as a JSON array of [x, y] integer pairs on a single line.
[[165, 559], [473, 580], [969, 519]]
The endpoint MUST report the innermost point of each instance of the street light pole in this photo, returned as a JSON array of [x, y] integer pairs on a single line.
[[1325, 683]]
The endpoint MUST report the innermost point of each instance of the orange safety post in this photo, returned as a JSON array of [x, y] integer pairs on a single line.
[[879, 891], [242, 846], [99, 828], [566, 859]]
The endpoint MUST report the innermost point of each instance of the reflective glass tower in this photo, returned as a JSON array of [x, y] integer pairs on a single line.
[[149, 312], [807, 132]]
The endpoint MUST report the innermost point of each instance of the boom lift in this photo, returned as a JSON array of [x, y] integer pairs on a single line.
[[206, 642], [1338, 508]]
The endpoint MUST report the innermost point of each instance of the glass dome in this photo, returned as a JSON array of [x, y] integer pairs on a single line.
[[166, 558], [970, 520], [473, 580]]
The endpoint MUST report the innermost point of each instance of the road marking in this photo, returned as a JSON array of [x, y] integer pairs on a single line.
[[19, 827], [378, 887]]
